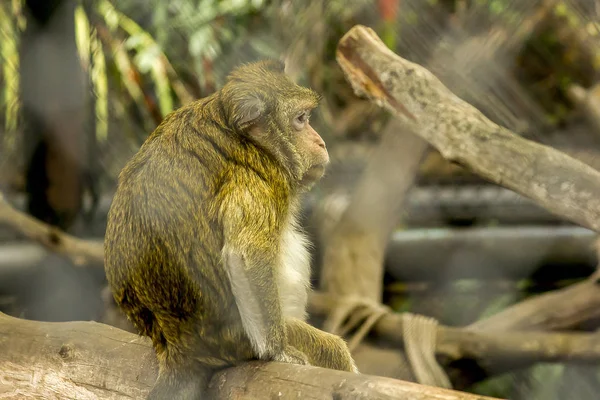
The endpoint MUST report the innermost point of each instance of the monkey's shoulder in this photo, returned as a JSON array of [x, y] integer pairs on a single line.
[[245, 193]]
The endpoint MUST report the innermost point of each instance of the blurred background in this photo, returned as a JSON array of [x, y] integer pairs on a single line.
[[82, 84]]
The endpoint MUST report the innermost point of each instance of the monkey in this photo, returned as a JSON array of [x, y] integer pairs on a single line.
[[203, 250]]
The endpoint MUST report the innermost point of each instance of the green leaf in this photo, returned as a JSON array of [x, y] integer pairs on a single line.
[[163, 88], [82, 36], [100, 83], [10, 71]]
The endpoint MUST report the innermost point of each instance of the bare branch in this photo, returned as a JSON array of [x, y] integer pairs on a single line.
[[81, 252], [355, 248], [557, 182], [487, 348], [565, 308]]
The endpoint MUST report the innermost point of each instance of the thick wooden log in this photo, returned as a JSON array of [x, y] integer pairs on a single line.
[[88, 360]]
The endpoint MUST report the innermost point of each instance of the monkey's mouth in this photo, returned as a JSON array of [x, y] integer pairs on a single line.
[[317, 169], [313, 174]]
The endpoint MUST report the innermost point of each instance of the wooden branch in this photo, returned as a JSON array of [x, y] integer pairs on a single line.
[[355, 249], [460, 132], [87, 360], [487, 348], [565, 308], [588, 101], [487, 253], [81, 252]]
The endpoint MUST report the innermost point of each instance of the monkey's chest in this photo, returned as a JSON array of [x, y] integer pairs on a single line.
[[294, 273]]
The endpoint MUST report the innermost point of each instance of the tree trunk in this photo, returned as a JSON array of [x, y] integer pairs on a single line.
[[54, 112]]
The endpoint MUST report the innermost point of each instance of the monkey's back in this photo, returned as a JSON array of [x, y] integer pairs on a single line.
[[164, 240]]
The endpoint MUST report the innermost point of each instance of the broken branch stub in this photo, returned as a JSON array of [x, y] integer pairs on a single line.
[[555, 181]]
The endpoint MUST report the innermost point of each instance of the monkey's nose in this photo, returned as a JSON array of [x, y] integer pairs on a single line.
[[320, 142]]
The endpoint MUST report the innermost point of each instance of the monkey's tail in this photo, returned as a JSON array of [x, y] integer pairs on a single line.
[[181, 383]]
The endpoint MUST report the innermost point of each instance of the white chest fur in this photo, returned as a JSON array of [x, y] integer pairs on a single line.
[[294, 278]]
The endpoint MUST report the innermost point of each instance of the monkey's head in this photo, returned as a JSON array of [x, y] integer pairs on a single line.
[[263, 104]]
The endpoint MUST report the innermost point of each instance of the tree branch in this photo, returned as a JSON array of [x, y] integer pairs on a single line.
[[80, 251], [557, 182], [487, 348], [354, 250], [87, 360], [565, 308]]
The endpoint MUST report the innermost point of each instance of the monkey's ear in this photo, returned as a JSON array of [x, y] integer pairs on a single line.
[[248, 112]]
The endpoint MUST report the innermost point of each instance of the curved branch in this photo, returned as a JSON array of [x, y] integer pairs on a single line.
[[557, 182]]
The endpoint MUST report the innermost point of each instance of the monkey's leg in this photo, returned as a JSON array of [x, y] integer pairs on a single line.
[[322, 349], [181, 383]]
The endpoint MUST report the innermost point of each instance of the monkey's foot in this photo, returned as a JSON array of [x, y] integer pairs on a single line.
[[292, 355]]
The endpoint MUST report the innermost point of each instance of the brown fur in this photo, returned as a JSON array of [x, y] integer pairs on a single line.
[[218, 177]]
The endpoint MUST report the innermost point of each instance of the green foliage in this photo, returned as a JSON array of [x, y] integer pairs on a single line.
[[9, 37], [92, 58]]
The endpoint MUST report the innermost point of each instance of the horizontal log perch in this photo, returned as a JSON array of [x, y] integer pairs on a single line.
[[432, 205], [88, 360], [461, 133]]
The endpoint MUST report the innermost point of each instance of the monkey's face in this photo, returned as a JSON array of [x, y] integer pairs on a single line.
[[311, 149], [265, 105]]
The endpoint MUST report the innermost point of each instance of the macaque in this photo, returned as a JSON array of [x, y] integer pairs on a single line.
[[203, 249]]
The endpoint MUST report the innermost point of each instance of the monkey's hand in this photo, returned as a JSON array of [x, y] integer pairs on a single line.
[[292, 355]]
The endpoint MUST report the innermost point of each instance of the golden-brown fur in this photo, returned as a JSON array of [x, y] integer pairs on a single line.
[[202, 249]]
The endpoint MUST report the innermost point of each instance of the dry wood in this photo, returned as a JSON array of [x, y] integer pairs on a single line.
[[87, 360], [588, 101], [79, 251], [557, 182], [487, 348], [355, 249], [566, 308]]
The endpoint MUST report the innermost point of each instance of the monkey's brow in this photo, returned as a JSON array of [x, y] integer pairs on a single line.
[[307, 105]]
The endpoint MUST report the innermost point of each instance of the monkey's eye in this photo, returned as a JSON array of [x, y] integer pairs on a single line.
[[301, 120]]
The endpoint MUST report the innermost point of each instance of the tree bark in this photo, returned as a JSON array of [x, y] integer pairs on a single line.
[[355, 249], [460, 132], [567, 308], [78, 250], [487, 347], [87, 360]]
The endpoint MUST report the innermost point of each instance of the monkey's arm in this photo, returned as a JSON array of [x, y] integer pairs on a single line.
[[252, 220]]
